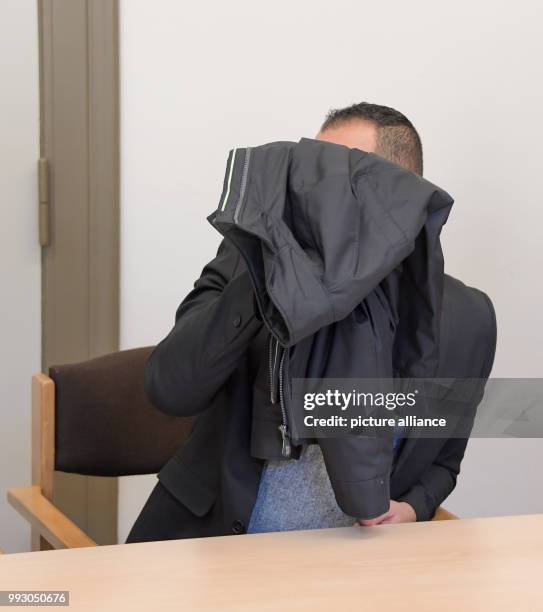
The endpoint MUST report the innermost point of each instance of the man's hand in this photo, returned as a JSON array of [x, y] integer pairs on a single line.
[[399, 512]]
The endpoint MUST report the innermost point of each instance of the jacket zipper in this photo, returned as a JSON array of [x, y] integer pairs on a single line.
[[286, 448], [274, 375], [272, 362], [283, 428]]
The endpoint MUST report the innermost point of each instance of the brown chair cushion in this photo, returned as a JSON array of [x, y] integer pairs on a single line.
[[104, 423]]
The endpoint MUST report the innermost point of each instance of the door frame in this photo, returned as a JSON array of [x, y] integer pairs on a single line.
[[79, 213]]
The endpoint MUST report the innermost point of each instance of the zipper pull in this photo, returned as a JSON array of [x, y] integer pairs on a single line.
[[285, 451]]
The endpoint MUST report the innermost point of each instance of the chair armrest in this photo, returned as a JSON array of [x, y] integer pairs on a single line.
[[48, 520], [443, 515]]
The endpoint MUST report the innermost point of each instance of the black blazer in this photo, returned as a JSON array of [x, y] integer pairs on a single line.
[[205, 367]]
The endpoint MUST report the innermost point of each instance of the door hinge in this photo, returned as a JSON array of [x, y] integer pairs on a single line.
[[43, 210]]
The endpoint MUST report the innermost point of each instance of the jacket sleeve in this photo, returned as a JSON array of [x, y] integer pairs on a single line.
[[213, 327], [439, 480]]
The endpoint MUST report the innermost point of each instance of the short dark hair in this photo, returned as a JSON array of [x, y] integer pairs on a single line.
[[397, 138]]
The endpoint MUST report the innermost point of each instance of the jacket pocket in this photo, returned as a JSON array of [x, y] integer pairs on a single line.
[[186, 487]]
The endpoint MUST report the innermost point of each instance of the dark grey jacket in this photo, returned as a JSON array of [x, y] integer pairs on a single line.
[[343, 251], [211, 363]]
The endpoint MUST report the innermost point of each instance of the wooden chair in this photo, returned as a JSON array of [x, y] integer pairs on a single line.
[[91, 418], [443, 515]]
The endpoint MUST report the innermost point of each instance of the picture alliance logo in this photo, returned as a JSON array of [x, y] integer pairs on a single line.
[[355, 399]]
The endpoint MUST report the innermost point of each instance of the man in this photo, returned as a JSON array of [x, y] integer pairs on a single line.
[[207, 367]]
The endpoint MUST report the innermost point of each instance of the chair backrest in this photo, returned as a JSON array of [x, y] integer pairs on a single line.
[[104, 423]]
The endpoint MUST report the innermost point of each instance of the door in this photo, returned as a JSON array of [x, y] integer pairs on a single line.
[[79, 214]]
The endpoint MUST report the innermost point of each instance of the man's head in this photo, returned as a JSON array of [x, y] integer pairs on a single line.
[[376, 129]]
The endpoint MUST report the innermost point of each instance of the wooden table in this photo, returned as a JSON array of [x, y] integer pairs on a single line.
[[471, 564]]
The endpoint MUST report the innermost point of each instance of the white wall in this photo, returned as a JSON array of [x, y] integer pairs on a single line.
[[199, 79], [20, 325]]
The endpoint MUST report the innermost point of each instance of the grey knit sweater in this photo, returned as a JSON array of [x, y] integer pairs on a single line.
[[297, 494]]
